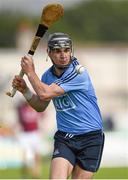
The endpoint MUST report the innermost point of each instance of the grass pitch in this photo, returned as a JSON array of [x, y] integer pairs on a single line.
[[103, 173]]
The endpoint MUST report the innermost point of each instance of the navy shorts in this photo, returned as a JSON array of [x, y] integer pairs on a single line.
[[84, 150]]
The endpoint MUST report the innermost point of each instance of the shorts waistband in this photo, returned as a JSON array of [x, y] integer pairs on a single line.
[[65, 134]]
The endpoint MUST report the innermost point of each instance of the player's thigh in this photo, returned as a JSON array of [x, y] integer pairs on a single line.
[[79, 173], [89, 157], [63, 157], [60, 168]]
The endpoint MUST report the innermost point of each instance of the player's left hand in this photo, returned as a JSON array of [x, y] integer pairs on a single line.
[[19, 84]]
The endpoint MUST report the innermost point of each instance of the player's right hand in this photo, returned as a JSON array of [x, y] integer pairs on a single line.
[[19, 84]]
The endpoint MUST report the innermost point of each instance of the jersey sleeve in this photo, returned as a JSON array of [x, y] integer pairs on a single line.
[[75, 82], [45, 77]]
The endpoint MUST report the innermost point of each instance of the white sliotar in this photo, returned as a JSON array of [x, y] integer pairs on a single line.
[[80, 69]]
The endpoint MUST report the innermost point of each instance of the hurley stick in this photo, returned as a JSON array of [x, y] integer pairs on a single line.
[[50, 14]]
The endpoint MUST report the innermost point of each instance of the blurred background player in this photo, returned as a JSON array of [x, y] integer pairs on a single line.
[[30, 140]]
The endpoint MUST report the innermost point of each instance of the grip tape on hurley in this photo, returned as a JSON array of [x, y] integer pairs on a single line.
[[40, 32]]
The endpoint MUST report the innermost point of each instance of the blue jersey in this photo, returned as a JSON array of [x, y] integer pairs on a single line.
[[77, 111]]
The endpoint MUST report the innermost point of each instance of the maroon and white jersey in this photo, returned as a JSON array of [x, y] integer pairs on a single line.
[[28, 117]]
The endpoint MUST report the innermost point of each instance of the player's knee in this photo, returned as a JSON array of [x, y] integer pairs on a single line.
[[60, 168], [79, 173]]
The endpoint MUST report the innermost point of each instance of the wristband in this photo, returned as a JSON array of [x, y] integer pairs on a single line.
[[28, 95]]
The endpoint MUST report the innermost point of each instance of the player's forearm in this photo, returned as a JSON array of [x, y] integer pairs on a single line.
[[35, 102], [41, 89]]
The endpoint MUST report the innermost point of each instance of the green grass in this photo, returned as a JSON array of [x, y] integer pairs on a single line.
[[112, 173], [16, 173], [103, 173]]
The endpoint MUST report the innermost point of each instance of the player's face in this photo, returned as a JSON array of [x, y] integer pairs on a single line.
[[60, 57]]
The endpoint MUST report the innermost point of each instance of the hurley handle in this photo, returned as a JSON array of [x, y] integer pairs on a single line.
[[13, 91]]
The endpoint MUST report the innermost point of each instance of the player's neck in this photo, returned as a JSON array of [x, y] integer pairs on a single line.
[[58, 71]]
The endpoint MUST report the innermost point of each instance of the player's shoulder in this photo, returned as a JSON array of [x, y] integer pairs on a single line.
[[46, 74], [82, 75], [47, 71]]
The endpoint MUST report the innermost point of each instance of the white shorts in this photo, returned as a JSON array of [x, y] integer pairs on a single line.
[[30, 143]]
